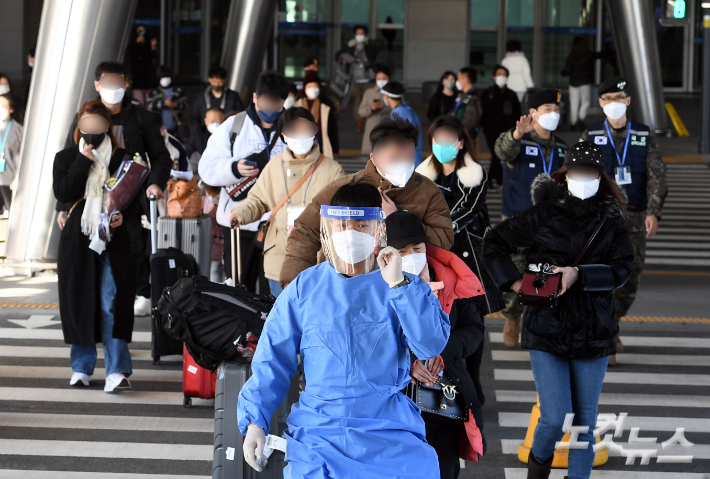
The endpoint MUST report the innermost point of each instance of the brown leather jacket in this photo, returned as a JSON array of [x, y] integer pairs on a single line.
[[420, 195]]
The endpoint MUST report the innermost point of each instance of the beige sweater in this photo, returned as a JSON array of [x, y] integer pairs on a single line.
[[270, 188]]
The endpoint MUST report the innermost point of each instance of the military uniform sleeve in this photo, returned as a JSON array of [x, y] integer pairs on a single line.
[[656, 187], [472, 114], [507, 148]]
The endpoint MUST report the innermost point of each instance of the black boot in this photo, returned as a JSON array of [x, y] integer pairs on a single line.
[[537, 470]]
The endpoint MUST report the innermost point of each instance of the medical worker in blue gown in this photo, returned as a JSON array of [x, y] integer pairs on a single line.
[[354, 327]]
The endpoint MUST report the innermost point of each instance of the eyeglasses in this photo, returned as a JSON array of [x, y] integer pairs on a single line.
[[617, 98]]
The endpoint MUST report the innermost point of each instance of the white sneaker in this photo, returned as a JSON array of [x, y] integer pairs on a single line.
[[115, 382], [142, 306], [79, 380]]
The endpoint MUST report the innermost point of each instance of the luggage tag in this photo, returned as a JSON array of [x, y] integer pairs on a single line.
[[622, 175], [292, 213]]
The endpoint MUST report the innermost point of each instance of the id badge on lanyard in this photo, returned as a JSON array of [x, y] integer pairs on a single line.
[[2, 161], [622, 175], [292, 213]]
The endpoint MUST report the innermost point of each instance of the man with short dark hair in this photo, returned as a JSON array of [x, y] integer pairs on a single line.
[[393, 95], [391, 168], [137, 130], [501, 109], [468, 105], [216, 95], [236, 153]]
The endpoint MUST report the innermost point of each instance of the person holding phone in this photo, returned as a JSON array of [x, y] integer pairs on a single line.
[[96, 291], [236, 153], [372, 107]]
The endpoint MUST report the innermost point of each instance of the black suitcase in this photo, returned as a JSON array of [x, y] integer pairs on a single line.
[[167, 266], [228, 440]]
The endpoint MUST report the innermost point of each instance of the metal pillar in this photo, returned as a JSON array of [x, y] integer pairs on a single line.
[[74, 36], [705, 132], [502, 31], [245, 41], [598, 40], [634, 32]]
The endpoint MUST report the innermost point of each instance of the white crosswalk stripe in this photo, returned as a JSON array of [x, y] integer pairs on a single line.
[[633, 390], [141, 433]]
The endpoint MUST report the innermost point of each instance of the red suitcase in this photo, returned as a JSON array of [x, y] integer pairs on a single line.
[[197, 382]]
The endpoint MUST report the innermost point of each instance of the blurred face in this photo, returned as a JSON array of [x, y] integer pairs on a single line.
[[463, 79], [268, 103], [92, 124], [217, 83], [214, 116], [412, 248], [449, 81], [382, 76], [313, 84], [446, 136], [388, 154], [111, 81], [4, 81], [619, 97], [5, 109], [500, 73], [140, 31], [583, 173], [360, 31], [546, 108], [300, 129]]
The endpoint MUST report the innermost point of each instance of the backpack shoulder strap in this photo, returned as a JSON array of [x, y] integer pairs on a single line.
[[236, 128]]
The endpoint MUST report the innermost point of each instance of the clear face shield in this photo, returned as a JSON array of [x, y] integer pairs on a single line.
[[352, 237]]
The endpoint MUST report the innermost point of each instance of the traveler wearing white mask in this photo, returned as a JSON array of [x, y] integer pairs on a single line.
[[501, 109], [373, 107], [391, 168], [361, 54], [138, 130], [633, 159], [323, 112], [10, 140], [169, 101], [456, 287], [5, 86], [199, 137], [276, 183], [528, 150], [393, 95], [570, 343]]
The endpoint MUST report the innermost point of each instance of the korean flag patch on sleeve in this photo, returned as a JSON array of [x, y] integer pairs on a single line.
[[531, 150], [601, 140]]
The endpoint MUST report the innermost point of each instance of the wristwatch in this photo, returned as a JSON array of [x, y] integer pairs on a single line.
[[404, 282]]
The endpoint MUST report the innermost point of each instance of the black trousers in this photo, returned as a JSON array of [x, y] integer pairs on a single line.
[[140, 253], [252, 261], [444, 438], [495, 170], [6, 193]]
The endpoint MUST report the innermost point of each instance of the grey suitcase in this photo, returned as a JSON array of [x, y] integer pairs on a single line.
[[192, 236], [228, 457]]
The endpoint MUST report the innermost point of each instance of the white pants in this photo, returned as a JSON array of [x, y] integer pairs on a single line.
[[579, 98]]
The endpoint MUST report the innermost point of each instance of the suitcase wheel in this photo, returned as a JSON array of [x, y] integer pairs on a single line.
[[186, 401]]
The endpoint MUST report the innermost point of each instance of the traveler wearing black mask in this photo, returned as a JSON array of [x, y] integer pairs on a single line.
[[216, 95]]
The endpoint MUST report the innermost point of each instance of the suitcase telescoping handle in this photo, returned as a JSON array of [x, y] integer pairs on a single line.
[[153, 224], [236, 255]]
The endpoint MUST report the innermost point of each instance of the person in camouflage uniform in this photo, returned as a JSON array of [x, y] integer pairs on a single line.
[[633, 159], [468, 104], [527, 150]]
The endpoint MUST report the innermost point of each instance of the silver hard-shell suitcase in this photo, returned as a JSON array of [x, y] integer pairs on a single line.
[[192, 236]]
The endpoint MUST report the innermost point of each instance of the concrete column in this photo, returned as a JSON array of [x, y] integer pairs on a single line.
[[74, 37], [248, 28], [437, 36], [634, 31]]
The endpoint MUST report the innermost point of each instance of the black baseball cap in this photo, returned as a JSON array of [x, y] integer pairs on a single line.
[[403, 228], [585, 153]]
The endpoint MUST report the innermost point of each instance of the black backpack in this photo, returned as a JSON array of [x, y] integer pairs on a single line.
[[212, 319]]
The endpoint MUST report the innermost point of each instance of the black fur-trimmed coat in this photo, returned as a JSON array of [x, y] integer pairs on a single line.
[[555, 229]]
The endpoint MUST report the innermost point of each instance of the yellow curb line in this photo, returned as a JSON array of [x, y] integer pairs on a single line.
[[640, 319], [5, 304]]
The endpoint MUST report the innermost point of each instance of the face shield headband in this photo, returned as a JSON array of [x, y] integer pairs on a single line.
[[351, 237]]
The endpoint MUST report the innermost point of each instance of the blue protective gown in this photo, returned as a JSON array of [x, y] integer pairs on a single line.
[[354, 335]]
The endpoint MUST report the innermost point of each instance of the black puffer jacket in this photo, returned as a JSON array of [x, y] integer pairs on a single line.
[[583, 325]]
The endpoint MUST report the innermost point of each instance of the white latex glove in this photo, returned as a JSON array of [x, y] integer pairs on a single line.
[[390, 263], [254, 445]]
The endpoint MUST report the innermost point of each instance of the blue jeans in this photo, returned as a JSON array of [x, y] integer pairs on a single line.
[[117, 359], [567, 386], [275, 288]]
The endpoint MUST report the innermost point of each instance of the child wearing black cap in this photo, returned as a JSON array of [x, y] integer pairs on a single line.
[[527, 150], [570, 343]]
